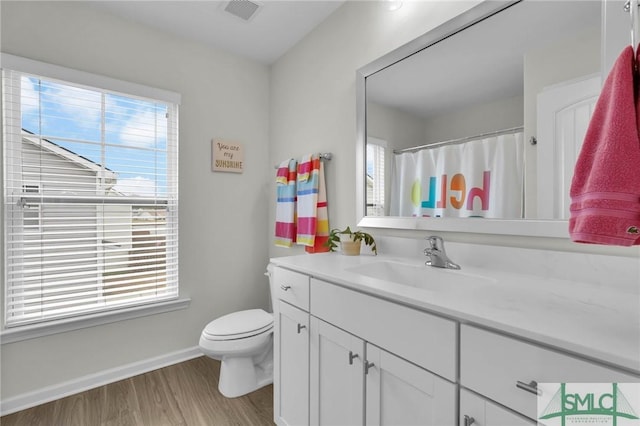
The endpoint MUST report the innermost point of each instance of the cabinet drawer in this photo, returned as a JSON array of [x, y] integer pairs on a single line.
[[291, 287], [424, 339], [486, 413], [492, 364]]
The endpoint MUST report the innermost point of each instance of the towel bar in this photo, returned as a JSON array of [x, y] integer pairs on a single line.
[[323, 156]]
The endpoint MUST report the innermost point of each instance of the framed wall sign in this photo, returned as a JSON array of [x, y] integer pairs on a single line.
[[227, 156]]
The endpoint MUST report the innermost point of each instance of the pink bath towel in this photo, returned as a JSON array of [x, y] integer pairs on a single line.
[[605, 190]]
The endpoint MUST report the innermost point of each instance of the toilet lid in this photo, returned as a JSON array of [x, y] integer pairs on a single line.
[[239, 324]]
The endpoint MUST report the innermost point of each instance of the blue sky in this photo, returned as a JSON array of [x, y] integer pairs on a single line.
[[125, 134]]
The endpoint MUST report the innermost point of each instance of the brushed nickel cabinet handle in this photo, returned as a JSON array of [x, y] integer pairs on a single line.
[[285, 287], [367, 366], [468, 421], [301, 327], [531, 387], [352, 356]]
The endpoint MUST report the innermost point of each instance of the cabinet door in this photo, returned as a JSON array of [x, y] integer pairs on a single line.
[[337, 380], [400, 393], [477, 411], [291, 366]]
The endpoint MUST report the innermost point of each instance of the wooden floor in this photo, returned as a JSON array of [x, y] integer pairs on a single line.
[[182, 394]]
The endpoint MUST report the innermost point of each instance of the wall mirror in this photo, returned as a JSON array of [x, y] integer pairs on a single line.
[[475, 126]]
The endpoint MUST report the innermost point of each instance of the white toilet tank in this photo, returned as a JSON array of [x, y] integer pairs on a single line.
[[272, 290]]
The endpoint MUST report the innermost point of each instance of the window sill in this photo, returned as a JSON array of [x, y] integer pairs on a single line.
[[18, 334]]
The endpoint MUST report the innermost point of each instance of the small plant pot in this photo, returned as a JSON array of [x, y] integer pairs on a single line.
[[351, 248], [350, 242]]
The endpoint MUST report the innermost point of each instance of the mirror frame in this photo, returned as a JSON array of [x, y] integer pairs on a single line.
[[520, 227]]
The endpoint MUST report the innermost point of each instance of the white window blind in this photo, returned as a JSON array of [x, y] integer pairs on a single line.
[[376, 152], [90, 198]]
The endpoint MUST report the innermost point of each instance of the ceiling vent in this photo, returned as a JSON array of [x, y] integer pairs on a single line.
[[243, 9]]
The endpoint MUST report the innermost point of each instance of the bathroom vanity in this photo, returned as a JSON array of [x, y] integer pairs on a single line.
[[388, 340]]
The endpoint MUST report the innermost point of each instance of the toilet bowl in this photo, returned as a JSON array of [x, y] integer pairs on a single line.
[[243, 342]]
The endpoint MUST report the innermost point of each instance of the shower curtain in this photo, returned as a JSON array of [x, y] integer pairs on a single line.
[[478, 178]]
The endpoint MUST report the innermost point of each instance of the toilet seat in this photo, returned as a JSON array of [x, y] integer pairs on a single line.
[[239, 325], [243, 343]]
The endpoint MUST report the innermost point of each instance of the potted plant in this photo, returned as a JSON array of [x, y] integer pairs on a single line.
[[350, 241]]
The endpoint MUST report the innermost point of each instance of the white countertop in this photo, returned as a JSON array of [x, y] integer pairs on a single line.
[[586, 319]]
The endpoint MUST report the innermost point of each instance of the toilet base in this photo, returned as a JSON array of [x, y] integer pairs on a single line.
[[240, 375]]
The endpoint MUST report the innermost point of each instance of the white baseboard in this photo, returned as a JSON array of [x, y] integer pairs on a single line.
[[81, 384]]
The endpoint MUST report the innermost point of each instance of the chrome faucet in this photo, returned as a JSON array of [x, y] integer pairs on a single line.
[[436, 254]]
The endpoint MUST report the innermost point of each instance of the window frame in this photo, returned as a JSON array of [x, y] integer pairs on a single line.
[[16, 332], [380, 178]]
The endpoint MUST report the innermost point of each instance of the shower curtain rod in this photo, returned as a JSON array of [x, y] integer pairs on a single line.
[[460, 140]]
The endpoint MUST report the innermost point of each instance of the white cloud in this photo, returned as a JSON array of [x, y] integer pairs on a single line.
[[130, 122], [134, 122], [143, 129], [50, 106], [29, 96], [138, 186], [74, 102]]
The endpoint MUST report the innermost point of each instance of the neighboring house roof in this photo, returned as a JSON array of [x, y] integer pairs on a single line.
[[69, 155]]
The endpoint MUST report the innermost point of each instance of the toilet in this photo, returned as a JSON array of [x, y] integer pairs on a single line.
[[243, 342]]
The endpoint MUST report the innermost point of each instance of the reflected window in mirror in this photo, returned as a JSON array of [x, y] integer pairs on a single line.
[[376, 174]]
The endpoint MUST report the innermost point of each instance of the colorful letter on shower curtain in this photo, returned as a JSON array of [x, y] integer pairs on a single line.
[[479, 178]]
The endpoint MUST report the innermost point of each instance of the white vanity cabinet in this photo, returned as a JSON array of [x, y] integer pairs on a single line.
[[336, 376], [509, 371], [371, 360], [349, 356], [401, 393], [426, 340], [345, 368], [478, 411], [291, 348]]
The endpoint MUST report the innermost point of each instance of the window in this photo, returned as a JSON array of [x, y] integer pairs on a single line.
[[90, 193], [376, 151]]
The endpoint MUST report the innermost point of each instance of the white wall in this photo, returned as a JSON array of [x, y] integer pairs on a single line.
[[617, 32], [475, 120], [313, 98], [312, 108], [223, 248], [400, 129], [564, 61]]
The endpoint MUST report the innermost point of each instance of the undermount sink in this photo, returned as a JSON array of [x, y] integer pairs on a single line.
[[420, 276]]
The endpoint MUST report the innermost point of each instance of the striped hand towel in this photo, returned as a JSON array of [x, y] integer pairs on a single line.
[[322, 217], [286, 203], [308, 175]]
